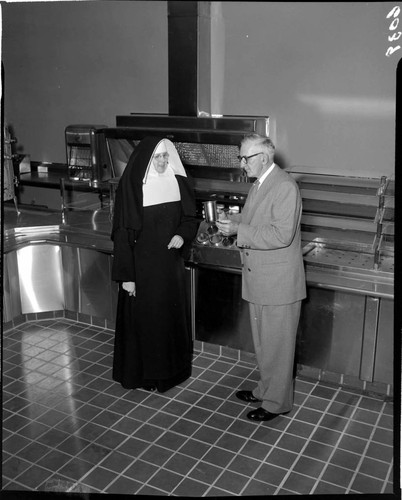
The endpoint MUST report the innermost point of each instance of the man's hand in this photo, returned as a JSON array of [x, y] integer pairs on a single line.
[[176, 242], [129, 286], [227, 227]]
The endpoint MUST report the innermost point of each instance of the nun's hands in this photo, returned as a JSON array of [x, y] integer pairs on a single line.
[[176, 242], [129, 286]]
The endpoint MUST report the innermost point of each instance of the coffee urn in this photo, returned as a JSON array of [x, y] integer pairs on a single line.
[[85, 153]]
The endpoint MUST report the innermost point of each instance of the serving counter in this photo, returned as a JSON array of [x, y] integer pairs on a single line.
[[346, 324], [346, 329]]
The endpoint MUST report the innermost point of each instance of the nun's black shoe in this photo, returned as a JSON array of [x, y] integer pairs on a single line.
[[247, 396], [261, 415], [151, 388]]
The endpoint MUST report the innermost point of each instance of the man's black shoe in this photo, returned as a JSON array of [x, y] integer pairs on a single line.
[[261, 415], [247, 396]]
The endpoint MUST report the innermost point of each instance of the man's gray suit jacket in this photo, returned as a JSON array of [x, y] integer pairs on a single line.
[[269, 237]]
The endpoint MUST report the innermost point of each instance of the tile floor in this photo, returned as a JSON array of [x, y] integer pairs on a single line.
[[68, 427]]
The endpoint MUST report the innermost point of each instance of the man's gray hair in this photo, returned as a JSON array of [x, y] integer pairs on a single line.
[[265, 142]]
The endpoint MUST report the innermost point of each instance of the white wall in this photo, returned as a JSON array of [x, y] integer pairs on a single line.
[[78, 63], [320, 70]]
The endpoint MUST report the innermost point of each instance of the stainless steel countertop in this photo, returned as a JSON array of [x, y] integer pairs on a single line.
[[92, 228], [84, 228]]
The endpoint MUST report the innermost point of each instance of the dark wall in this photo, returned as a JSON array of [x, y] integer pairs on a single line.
[[318, 69], [78, 63]]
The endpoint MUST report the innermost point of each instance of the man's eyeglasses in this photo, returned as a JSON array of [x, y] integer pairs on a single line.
[[246, 158], [161, 156]]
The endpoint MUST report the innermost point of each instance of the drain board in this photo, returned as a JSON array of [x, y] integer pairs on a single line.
[[357, 260]]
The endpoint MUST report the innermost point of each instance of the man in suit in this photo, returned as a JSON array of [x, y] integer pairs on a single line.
[[273, 280]]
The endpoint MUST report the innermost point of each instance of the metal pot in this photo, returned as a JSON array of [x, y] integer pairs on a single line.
[[216, 240], [203, 238], [210, 211]]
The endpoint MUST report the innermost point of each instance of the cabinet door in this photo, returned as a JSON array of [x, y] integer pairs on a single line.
[[384, 359], [331, 331], [221, 315]]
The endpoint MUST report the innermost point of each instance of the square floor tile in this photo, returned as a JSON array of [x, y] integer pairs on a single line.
[[184, 427], [156, 455], [244, 465], [141, 471], [299, 483], [171, 440], [54, 460], [324, 488], [124, 486], [232, 482], [165, 480], [149, 433], [194, 449], [291, 443], [379, 451], [218, 457], [242, 428], [359, 429], [14, 466], [116, 462], [337, 475], [62, 410], [383, 436], [326, 436], [205, 472], [258, 488], [374, 468], [346, 459], [219, 421], [301, 429], [270, 474], [190, 488], [93, 453], [366, 484], [180, 464], [334, 422], [231, 441], [133, 447], [14, 443], [281, 458], [207, 435], [33, 476], [254, 449], [308, 466], [266, 435], [163, 419]]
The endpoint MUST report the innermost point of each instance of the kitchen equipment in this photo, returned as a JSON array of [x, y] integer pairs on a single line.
[[10, 180], [207, 146], [347, 234], [210, 211], [86, 156]]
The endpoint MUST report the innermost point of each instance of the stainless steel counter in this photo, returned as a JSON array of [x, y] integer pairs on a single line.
[[346, 325]]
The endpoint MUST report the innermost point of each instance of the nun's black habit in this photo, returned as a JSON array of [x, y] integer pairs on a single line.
[[153, 344]]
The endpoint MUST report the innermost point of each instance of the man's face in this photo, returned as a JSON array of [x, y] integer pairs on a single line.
[[253, 167], [160, 160]]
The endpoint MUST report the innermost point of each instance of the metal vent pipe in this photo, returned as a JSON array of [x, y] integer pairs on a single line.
[[188, 27]]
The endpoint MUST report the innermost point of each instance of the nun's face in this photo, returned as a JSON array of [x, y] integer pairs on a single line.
[[160, 160]]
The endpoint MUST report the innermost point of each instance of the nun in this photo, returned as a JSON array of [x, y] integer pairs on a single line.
[[154, 223]]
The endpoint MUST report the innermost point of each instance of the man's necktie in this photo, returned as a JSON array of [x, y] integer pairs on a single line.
[[253, 190]]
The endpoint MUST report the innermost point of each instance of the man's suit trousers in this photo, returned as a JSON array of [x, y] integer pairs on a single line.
[[274, 330]]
